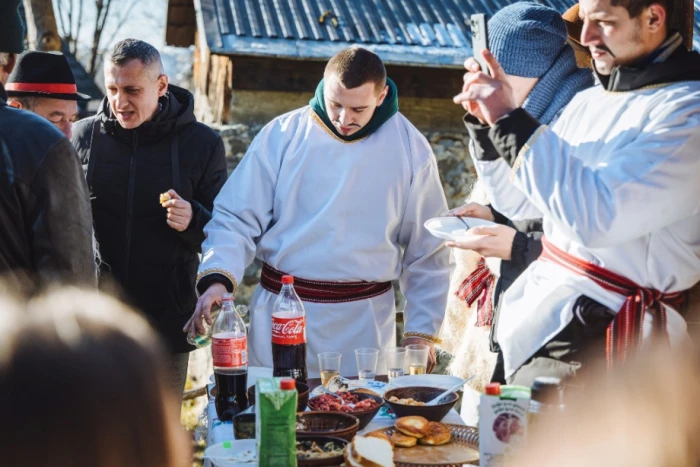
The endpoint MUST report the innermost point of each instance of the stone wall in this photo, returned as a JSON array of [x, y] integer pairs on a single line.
[[450, 148]]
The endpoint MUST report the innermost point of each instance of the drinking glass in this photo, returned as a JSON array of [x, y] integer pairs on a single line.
[[329, 366], [395, 358], [366, 363], [417, 356]]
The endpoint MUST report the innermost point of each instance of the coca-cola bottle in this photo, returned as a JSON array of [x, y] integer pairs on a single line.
[[230, 355], [289, 333]]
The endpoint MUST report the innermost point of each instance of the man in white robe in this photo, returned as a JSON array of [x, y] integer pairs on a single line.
[[335, 192], [616, 182]]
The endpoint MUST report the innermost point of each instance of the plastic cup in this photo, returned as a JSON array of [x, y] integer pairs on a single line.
[[395, 359], [329, 366], [417, 357], [366, 363]]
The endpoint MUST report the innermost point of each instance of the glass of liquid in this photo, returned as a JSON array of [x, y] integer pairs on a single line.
[[395, 358], [329, 366], [417, 356], [366, 363]]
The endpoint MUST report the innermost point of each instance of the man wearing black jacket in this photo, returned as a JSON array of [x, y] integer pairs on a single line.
[[45, 219], [143, 142]]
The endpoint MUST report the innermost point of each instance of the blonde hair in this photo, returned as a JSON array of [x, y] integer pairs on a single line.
[[85, 377]]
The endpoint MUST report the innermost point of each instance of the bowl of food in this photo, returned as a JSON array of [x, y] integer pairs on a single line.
[[410, 401], [302, 396], [334, 424], [318, 451], [362, 405]]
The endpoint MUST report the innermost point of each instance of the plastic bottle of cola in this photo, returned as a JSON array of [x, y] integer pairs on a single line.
[[289, 333], [230, 355]]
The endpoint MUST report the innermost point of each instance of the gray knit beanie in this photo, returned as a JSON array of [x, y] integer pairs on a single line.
[[526, 38], [11, 27]]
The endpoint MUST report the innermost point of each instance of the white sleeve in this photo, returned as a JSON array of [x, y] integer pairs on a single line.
[[425, 278], [242, 213], [505, 197], [651, 183]]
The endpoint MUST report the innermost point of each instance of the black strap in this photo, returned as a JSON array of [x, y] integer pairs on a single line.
[[92, 158], [175, 164]]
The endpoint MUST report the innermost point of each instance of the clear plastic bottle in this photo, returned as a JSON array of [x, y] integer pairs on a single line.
[[230, 355], [203, 340]]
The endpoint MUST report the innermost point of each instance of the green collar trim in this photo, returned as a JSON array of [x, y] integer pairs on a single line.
[[381, 114]]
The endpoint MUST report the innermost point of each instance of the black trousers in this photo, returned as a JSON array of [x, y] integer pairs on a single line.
[[575, 347]]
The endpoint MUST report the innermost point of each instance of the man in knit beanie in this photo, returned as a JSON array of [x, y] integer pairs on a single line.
[[615, 182], [530, 40], [46, 232]]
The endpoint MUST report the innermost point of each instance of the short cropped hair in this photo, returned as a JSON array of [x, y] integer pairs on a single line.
[[129, 49], [28, 102], [356, 66], [635, 7]]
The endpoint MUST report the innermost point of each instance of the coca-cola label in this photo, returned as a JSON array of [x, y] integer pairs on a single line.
[[288, 331], [229, 352]]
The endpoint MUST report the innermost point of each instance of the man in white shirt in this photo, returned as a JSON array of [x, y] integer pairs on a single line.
[[615, 180], [335, 194]]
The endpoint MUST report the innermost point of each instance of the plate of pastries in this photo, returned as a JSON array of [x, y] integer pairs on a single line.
[[415, 441]]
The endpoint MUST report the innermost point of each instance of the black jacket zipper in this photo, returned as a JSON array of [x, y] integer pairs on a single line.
[[130, 207]]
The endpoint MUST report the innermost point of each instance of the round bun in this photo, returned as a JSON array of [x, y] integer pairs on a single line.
[[436, 434]]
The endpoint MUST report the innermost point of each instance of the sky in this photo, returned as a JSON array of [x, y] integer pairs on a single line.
[[145, 21]]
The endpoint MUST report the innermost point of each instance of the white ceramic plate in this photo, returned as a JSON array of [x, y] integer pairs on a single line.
[[452, 228], [235, 453], [433, 381]]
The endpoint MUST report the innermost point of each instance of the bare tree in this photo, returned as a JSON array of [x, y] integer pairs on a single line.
[[71, 21], [109, 15], [41, 25], [100, 21]]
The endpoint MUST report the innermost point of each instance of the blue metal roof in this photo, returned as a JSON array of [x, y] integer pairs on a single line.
[[403, 32], [696, 28]]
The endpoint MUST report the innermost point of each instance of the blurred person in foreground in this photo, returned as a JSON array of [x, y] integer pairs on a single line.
[[85, 384], [43, 83], [146, 141], [45, 217], [646, 415], [615, 180]]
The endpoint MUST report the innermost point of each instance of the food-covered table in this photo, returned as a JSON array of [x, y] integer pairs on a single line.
[[219, 431]]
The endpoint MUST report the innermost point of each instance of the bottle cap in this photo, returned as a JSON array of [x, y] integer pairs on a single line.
[[547, 389], [288, 384], [227, 297], [493, 389], [286, 280]]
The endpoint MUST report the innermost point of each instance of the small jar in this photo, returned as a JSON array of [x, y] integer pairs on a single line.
[[546, 400]]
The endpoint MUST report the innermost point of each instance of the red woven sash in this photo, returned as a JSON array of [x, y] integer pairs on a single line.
[[323, 291], [624, 335], [478, 286]]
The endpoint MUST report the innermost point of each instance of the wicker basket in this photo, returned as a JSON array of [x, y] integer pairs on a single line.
[[336, 424]]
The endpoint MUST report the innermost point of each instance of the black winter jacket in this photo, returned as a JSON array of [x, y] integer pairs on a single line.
[[154, 265], [45, 219]]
